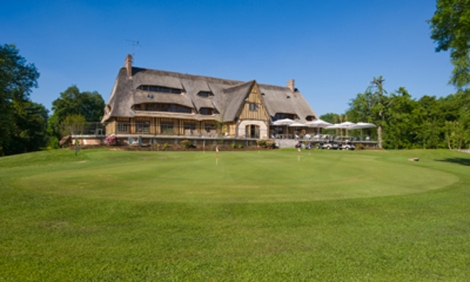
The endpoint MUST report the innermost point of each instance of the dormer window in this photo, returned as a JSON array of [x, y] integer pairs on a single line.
[[205, 94], [161, 89], [206, 111], [285, 115]]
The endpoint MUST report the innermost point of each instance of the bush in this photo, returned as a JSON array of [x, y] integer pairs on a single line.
[[53, 143], [233, 145], [240, 146], [187, 144], [111, 139], [261, 143], [360, 147], [267, 144], [66, 141], [165, 146]]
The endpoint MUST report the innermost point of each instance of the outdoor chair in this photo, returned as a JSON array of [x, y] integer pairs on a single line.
[[132, 141]]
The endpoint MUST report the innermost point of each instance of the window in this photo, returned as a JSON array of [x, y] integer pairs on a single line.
[[161, 89], [284, 115], [253, 107], [191, 126], [142, 127], [209, 126], [160, 107], [206, 111], [123, 127], [166, 127], [205, 94]]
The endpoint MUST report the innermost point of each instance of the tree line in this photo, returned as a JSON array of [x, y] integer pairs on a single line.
[[429, 122], [407, 123], [26, 126]]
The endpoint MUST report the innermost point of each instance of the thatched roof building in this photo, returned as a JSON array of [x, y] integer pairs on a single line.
[[146, 101]]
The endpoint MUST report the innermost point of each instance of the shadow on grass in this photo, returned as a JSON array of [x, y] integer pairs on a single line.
[[460, 161]]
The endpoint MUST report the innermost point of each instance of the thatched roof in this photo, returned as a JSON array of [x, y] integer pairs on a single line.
[[227, 98]]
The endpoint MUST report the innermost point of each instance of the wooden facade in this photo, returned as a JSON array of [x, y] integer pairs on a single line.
[[149, 102]]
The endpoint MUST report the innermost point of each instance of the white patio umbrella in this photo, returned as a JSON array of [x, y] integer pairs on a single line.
[[344, 125], [334, 126], [364, 125], [285, 121], [347, 125], [318, 123], [297, 124], [361, 125], [282, 122]]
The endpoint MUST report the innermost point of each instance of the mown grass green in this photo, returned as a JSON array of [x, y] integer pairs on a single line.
[[134, 216]]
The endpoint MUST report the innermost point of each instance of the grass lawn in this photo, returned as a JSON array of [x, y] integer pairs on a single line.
[[170, 216]]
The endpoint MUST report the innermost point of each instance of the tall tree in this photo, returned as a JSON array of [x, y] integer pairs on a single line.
[[30, 133], [379, 105], [89, 105], [450, 29], [400, 125], [17, 78], [430, 121]]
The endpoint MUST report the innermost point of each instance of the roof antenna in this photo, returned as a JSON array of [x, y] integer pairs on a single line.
[[134, 45]]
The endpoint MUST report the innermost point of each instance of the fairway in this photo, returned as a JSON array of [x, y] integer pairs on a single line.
[[255, 216], [267, 176]]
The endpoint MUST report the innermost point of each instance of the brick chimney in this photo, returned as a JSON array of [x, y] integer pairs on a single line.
[[291, 85], [128, 62]]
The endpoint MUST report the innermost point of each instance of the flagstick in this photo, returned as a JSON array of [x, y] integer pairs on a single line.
[[298, 154], [217, 155]]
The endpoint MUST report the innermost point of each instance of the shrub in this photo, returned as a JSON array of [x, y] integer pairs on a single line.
[[111, 139], [53, 143], [233, 145], [360, 147], [187, 144], [165, 146], [267, 144], [66, 141], [261, 143], [240, 146]]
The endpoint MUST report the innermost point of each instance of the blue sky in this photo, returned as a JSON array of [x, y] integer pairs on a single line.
[[331, 48]]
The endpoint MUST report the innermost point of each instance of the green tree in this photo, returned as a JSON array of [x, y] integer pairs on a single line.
[[330, 117], [17, 78], [380, 105], [73, 124], [30, 133], [400, 126], [430, 121], [89, 105], [450, 29], [371, 106]]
